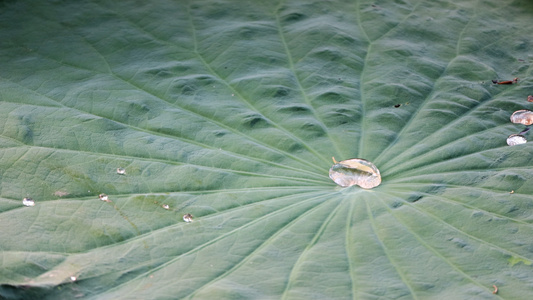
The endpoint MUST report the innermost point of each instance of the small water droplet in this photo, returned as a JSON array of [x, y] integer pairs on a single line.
[[522, 116], [187, 218], [165, 206], [28, 202], [121, 171], [104, 197], [516, 139], [355, 171], [73, 278]]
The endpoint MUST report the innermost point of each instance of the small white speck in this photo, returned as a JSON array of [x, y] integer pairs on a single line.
[[165, 206], [73, 278], [121, 171], [103, 197]]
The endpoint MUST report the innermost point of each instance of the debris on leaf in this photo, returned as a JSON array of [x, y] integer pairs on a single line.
[[524, 131], [28, 202], [355, 171], [522, 116], [495, 289], [511, 192], [121, 171], [187, 218], [530, 98], [515, 80], [165, 206], [516, 139]]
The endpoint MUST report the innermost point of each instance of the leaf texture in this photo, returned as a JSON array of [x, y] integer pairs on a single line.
[[231, 111]]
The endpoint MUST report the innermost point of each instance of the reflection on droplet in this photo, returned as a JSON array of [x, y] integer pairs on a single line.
[[121, 171], [522, 116], [28, 202], [187, 218], [355, 171], [516, 139], [103, 197], [165, 206]]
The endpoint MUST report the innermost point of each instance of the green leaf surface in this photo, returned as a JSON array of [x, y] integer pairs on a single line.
[[231, 111]]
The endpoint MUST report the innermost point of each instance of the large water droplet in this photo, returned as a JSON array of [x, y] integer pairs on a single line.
[[522, 116], [355, 171], [28, 202], [516, 139]]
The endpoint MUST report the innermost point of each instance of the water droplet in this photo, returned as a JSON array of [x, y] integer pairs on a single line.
[[28, 202], [121, 171], [104, 197], [522, 116], [73, 278], [165, 206], [187, 218], [355, 171], [516, 139]]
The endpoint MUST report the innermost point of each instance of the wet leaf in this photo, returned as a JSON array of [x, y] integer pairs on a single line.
[[231, 111]]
